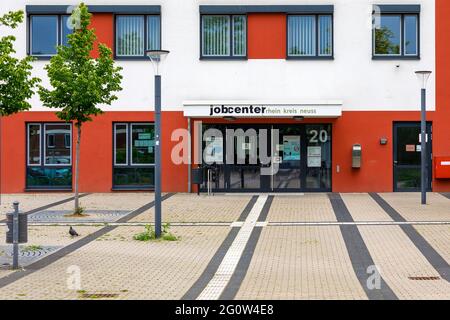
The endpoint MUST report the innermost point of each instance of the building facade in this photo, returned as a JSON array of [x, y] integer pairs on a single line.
[[328, 86]]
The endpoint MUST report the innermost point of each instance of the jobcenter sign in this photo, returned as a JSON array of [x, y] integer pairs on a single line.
[[250, 110]]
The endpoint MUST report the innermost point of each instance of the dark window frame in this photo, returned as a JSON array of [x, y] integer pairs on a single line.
[[59, 33], [129, 151], [42, 153], [317, 56], [402, 55], [231, 56], [143, 57]]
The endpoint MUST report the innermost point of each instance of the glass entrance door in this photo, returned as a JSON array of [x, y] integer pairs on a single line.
[[287, 155], [268, 158], [245, 165], [407, 156]]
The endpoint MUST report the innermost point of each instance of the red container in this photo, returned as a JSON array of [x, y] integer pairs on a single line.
[[442, 167]]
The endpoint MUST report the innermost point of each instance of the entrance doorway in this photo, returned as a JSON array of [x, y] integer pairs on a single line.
[[268, 158], [407, 156]]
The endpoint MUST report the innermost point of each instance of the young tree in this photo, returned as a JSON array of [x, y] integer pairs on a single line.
[[79, 82], [16, 83]]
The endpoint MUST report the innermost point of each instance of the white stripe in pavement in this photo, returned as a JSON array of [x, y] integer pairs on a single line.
[[236, 224], [231, 259], [362, 223]]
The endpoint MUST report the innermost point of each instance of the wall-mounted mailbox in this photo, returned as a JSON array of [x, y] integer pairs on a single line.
[[442, 167], [356, 156]]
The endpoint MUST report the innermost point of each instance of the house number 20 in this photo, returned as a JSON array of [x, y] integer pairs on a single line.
[[317, 136]]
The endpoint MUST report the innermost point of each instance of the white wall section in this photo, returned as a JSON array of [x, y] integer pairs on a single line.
[[353, 77]]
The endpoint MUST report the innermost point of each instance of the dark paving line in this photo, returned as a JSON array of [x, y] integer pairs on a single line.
[[358, 251], [249, 206], [211, 269], [50, 205], [433, 257], [265, 211], [47, 260], [447, 195], [233, 286], [394, 214]]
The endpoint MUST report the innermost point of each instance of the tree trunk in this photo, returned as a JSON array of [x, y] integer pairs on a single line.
[[77, 168]]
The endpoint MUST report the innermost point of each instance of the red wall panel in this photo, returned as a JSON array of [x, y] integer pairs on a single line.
[[266, 36], [103, 24], [96, 153], [441, 125]]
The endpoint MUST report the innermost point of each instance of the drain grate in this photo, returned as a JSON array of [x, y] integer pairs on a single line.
[[99, 295], [424, 278]]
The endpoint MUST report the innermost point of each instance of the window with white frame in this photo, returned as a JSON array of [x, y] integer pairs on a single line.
[[134, 155], [223, 36], [137, 33], [310, 36], [49, 155]]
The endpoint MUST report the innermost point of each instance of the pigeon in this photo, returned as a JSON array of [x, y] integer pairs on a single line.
[[73, 233]]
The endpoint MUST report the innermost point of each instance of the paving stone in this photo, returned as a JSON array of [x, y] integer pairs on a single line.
[[301, 263], [193, 208], [398, 259], [29, 201], [408, 205], [53, 237], [301, 208], [438, 236], [363, 208], [132, 269]]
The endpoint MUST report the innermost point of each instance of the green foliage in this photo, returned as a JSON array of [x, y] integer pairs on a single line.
[[149, 234], [16, 83], [12, 19], [79, 82], [383, 44], [31, 248], [79, 211]]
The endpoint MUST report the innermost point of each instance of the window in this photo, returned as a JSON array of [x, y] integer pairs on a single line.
[[137, 33], [224, 36], [396, 35], [49, 156], [47, 32], [310, 36], [134, 155]]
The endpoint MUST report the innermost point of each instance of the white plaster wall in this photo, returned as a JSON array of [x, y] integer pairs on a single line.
[[353, 77]]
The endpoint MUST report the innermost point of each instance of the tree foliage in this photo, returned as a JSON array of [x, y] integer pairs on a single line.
[[79, 82], [384, 43], [16, 83]]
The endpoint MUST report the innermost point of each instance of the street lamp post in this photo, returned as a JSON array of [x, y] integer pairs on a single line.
[[156, 57], [423, 77]]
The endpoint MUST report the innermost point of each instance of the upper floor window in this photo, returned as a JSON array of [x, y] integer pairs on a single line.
[[223, 36], [396, 35], [47, 32], [137, 33], [310, 36]]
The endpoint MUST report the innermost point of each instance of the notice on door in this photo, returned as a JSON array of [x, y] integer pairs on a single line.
[[291, 148], [214, 150], [314, 157]]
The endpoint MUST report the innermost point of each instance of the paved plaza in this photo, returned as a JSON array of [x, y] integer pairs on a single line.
[[233, 246]]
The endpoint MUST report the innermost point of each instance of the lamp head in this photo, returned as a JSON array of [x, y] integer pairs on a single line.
[[156, 57], [423, 76]]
